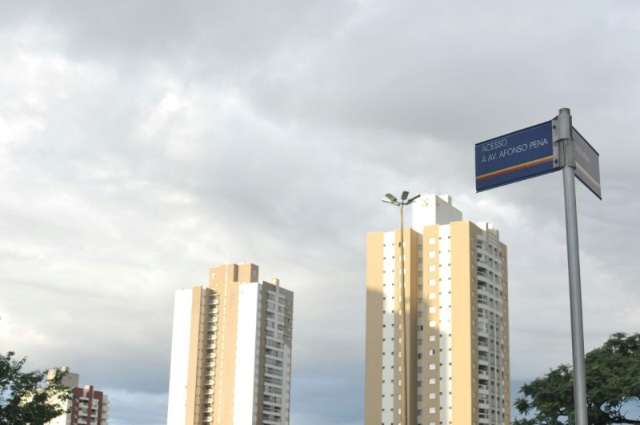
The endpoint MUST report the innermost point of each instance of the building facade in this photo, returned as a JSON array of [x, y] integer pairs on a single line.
[[456, 303], [86, 406], [231, 351]]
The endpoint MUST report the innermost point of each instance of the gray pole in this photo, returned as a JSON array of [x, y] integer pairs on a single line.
[[573, 254], [403, 352], [406, 417]]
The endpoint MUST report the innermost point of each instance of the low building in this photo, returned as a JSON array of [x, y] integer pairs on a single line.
[[86, 406]]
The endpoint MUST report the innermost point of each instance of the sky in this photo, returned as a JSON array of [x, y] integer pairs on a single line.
[[143, 142]]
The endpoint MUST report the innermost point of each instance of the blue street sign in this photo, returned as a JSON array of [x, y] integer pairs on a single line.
[[515, 156]]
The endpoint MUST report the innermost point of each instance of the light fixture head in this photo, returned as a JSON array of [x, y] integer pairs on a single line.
[[413, 199]]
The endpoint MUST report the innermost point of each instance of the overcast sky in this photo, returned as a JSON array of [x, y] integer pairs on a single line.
[[142, 142]]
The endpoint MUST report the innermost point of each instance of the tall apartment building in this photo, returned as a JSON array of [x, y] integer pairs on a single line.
[[231, 351], [457, 313], [86, 406]]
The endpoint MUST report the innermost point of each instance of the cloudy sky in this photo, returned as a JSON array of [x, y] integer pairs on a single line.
[[142, 142]]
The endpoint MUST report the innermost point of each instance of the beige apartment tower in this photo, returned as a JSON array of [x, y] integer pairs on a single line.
[[231, 351], [458, 327]]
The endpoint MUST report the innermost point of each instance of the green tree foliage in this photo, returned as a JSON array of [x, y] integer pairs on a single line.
[[613, 385], [24, 397]]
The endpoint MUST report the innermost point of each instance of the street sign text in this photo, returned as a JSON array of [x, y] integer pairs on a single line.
[[515, 156]]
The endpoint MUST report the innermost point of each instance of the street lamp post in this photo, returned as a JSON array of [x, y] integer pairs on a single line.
[[401, 203]]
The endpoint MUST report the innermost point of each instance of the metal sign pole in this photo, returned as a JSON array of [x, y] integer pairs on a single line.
[[528, 153], [573, 255]]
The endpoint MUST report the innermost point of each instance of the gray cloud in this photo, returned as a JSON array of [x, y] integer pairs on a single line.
[[142, 143]]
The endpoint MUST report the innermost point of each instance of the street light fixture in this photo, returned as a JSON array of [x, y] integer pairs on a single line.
[[402, 202]]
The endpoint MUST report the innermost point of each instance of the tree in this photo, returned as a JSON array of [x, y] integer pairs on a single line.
[[613, 386], [24, 397]]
